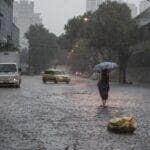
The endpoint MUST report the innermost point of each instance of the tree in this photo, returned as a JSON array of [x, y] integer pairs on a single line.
[[42, 47], [83, 57], [64, 45], [64, 41], [79, 57], [76, 31], [76, 28], [113, 31], [73, 29]]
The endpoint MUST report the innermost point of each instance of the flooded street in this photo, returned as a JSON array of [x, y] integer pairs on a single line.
[[69, 117]]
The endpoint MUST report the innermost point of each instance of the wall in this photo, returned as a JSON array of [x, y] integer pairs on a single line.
[[6, 17], [15, 35]]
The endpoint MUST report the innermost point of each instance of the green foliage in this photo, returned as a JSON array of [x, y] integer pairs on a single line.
[[82, 56], [110, 33], [76, 31], [146, 47], [113, 32], [76, 27], [79, 56], [64, 41], [42, 47], [114, 29], [141, 59], [64, 45]]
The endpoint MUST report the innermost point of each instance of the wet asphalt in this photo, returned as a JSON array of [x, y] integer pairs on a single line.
[[69, 117]]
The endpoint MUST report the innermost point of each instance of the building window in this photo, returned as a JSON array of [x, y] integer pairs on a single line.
[[9, 2]]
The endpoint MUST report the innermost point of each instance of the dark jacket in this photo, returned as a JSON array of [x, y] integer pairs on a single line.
[[103, 84], [104, 79]]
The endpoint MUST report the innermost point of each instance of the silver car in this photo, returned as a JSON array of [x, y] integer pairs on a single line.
[[10, 74]]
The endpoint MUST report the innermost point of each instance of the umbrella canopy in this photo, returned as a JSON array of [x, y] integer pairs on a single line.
[[105, 65]]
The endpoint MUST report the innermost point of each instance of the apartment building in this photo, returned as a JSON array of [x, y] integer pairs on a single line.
[[9, 33], [24, 16]]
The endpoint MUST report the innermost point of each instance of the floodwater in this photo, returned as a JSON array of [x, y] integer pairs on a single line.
[[69, 117]]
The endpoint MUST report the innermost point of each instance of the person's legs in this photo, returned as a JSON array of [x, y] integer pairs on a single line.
[[105, 98], [101, 95], [107, 95], [103, 102], [104, 95]]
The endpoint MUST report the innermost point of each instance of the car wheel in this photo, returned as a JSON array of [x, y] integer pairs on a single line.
[[44, 81], [17, 86], [55, 81], [68, 82]]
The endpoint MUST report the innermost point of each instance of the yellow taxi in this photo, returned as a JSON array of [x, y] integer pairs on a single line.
[[54, 75]]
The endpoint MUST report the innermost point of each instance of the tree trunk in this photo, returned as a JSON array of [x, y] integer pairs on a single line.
[[122, 74]]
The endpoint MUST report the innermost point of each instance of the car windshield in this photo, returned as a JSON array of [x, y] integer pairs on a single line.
[[5, 68], [59, 73], [55, 72]]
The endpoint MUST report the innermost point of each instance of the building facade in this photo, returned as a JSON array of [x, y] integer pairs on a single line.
[[144, 4], [9, 33], [92, 5], [134, 9], [15, 35], [24, 16], [143, 19]]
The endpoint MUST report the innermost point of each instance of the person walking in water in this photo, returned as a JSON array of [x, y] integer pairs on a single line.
[[103, 86]]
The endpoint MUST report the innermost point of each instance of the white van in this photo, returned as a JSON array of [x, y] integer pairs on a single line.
[[10, 74]]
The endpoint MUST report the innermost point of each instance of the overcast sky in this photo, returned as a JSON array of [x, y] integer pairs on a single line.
[[55, 13]]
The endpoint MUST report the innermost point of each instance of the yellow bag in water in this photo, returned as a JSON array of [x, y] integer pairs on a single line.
[[123, 125]]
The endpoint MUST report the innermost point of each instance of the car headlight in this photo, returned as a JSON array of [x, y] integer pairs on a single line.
[[15, 79]]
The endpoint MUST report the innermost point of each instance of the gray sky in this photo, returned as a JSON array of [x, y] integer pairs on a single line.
[[55, 13]]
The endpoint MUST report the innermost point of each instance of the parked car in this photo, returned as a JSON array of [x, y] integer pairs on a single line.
[[54, 75], [10, 74]]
